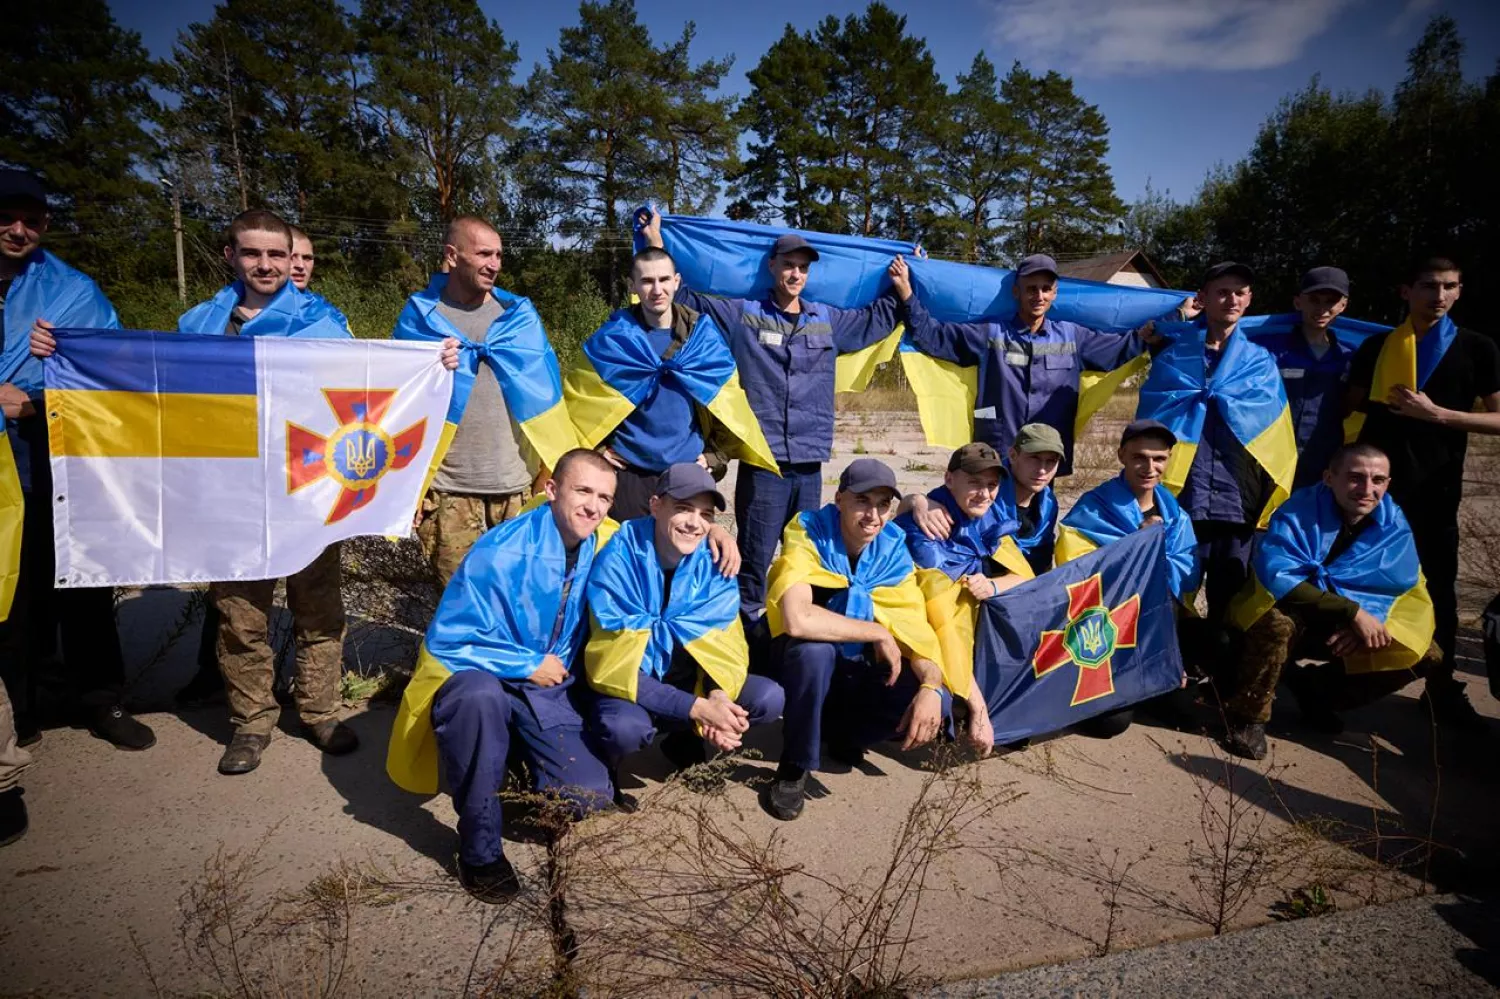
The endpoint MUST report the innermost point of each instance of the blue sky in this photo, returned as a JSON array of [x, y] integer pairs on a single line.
[[1184, 84]]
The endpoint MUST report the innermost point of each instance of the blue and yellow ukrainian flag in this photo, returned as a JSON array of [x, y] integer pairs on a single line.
[[497, 615], [882, 589], [1379, 571], [1404, 360], [1247, 391], [617, 368], [12, 514], [634, 630], [517, 350], [1109, 512]]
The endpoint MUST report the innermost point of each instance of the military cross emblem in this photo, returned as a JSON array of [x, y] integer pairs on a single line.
[[1093, 634], [358, 452]]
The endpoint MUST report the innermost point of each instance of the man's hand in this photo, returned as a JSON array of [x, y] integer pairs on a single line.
[[725, 550], [449, 355], [701, 461], [724, 742], [550, 673], [651, 231], [980, 586], [14, 402], [888, 653], [43, 343], [1150, 521], [931, 519], [1414, 404], [1190, 308], [717, 711], [611, 457], [900, 277], [923, 718], [979, 734]]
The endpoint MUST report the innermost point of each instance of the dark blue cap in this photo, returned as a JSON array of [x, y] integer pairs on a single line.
[[1037, 263], [1141, 428], [792, 242], [22, 185], [866, 475], [687, 479], [1325, 279], [1227, 267]]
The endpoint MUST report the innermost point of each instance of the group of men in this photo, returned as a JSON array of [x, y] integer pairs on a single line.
[[591, 605]]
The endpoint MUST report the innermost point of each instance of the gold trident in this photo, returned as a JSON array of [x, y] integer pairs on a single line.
[[362, 464]]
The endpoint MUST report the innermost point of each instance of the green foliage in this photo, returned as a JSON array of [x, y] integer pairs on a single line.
[[976, 158]]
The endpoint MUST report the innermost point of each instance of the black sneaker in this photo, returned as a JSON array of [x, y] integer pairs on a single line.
[[684, 749], [787, 793], [13, 821], [332, 737], [114, 725], [1247, 740], [623, 802], [1449, 704], [492, 883], [243, 754]]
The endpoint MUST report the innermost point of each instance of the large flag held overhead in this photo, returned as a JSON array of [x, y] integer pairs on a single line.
[[1092, 636], [184, 458]]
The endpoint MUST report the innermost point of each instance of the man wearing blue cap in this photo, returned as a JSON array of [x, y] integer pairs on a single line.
[[1029, 366], [785, 348], [1314, 367]]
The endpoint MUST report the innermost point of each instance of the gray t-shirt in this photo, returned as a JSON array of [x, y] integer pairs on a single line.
[[485, 459]]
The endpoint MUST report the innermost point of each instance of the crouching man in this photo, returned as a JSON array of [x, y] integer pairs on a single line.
[[1336, 578], [666, 648], [494, 675], [854, 647]]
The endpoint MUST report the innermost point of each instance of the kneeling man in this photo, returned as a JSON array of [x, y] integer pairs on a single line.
[[494, 673], [854, 644], [666, 648], [1336, 577]]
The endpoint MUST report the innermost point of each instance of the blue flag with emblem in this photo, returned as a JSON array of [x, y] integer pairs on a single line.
[[1090, 637]]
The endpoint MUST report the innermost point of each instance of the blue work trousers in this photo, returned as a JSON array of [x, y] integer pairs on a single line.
[[622, 727], [763, 504]]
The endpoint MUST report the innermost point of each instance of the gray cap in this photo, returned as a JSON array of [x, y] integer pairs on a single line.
[[687, 479], [22, 185], [792, 242], [1038, 438], [1325, 279], [1037, 263], [865, 475], [1227, 267], [1141, 428]]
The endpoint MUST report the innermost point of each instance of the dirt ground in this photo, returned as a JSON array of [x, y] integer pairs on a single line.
[[151, 874]]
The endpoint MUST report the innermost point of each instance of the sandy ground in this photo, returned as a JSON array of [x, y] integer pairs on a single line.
[[1066, 849]]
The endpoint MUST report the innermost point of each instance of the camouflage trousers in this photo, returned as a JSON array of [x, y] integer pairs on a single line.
[[452, 522], [1281, 636], [13, 759], [248, 660]]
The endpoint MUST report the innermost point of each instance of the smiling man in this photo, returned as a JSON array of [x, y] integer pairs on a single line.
[[1337, 579], [666, 649]]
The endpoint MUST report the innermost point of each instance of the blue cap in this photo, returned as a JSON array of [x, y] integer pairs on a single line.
[[22, 185], [1325, 279], [1037, 263], [687, 479], [792, 242], [1227, 267], [866, 475]]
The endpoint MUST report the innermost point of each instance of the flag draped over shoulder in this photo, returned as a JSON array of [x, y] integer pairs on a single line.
[[943, 563], [291, 312], [882, 589], [1109, 512], [182, 458], [12, 517], [517, 351], [1046, 519], [1092, 636], [1379, 571], [617, 368], [1246, 390], [47, 289], [1404, 360], [498, 614], [632, 632], [1349, 332]]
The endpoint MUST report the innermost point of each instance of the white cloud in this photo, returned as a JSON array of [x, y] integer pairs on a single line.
[[1115, 37], [1412, 10]]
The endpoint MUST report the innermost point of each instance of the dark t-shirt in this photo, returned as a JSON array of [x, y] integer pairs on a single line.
[[1425, 456]]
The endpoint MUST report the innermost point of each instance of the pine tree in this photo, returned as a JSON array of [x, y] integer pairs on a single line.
[[974, 160]]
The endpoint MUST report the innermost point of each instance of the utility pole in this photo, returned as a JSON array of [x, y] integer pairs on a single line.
[[177, 232]]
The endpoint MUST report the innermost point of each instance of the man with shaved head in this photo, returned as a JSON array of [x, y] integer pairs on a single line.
[[484, 478]]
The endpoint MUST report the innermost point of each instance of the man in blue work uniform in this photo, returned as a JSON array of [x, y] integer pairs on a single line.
[[1314, 367], [785, 348], [1029, 365]]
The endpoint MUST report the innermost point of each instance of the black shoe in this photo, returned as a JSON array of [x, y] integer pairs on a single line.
[[1247, 740], [13, 821], [332, 737], [623, 802], [243, 754], [787, 793], [684, 749], [492, 883], [115, 726], [206, 687], [1449, 704]]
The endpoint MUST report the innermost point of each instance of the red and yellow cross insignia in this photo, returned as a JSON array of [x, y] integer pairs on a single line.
[[358, 452], [1090, 639]]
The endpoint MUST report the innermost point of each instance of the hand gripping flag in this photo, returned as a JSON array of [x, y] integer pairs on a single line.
[[517, 351], [943, 563], [882, 589], [183, 458], [1404, 360], [1109, 512], [631, 632], [617, 368], [1246, 390], [1379, 571], [500, 613], [1092, 636]]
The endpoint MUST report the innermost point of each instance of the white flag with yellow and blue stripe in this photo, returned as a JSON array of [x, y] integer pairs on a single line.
[[183, 458]]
